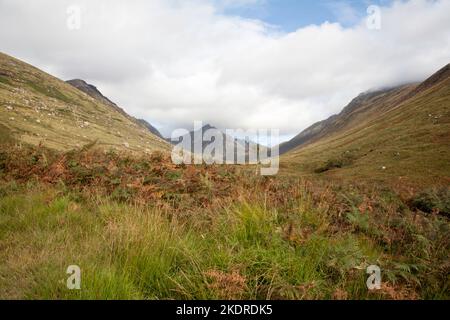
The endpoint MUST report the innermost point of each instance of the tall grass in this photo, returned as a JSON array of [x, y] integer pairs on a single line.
[[142, 228], [245, 250]]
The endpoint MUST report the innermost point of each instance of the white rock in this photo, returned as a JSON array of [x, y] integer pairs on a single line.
[[126, 144], [38, 121], [383, 168]]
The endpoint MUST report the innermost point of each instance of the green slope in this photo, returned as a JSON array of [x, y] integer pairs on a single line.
[[402, 137], [360, 110], [37, 108]]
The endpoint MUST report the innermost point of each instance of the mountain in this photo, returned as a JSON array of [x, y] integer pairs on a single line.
[[402, 133], [92, 91], [37, 108], [240, 146], [150, 128], [365, 106]]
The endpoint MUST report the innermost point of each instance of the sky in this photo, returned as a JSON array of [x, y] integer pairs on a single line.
[[290, 15], [249, 64]]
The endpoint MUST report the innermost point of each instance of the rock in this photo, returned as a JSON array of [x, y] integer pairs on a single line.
[[38, 121], [383, 168], [126, 144]]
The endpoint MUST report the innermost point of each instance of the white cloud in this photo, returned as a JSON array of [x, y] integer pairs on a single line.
[[173, 62]]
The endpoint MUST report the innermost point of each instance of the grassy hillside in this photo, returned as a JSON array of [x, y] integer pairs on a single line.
[[36, 108], [93, 92], [362, 109], [403, 139]]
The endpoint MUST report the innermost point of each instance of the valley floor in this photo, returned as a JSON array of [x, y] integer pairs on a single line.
[[146, 229]]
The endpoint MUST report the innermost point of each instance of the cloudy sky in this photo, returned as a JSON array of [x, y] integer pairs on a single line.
[[281, 64]]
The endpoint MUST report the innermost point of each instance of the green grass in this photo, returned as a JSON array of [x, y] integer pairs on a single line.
[[240, 251], [50, 92], [4, 80], [433, 200], [5, 135]]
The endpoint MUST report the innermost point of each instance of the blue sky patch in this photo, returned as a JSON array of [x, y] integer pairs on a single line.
[[291, 15]]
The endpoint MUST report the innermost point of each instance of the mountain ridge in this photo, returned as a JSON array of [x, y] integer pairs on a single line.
[[401, 137], [338, 121], [240, 146], [93, 91], [390, 97], [38, 108]]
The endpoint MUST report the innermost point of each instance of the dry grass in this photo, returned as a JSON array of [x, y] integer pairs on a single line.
[[142, 228]]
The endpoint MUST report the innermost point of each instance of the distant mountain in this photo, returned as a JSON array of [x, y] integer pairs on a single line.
[[229, 143], [400, 133], [92, 91], [37, 108]]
